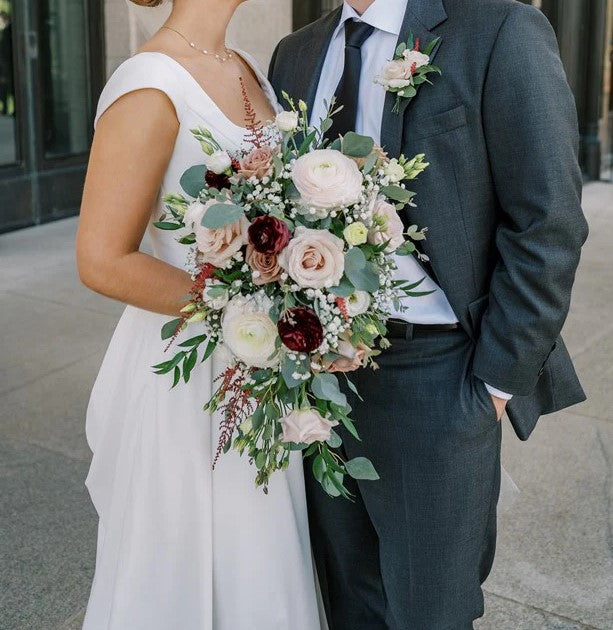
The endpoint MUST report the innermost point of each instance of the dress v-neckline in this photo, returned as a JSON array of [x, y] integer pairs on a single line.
[[264, 84]]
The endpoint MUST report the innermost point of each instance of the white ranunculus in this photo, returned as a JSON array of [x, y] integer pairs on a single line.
[[415, 57], [218, 162], [394, 171], [314, 259], [215, 294], [358, 303], [287, 121], [249, 332], [327, 179]]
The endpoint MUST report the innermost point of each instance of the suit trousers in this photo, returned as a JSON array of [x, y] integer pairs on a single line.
[[412, 550]]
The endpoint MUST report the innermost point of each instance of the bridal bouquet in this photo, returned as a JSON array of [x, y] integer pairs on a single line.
[[289, 243]]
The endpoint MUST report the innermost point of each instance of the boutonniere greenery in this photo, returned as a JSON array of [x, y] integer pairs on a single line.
[[408, 69]]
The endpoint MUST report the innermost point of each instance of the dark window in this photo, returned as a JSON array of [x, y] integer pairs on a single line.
[[65, 74], [8, 103]]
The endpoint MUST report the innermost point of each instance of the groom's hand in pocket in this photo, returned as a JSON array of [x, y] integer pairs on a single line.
[[500, 404]]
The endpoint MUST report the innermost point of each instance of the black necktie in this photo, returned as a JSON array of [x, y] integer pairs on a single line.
[[348, 90]]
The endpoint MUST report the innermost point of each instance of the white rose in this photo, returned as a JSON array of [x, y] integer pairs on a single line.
[[387, 226], [327, 179], [358, 303], [218, 162], [305, 426], [287, 121], [215, 294], [314, 258], [217, 246], [395, 74], [415, 57], [249, 332], [394, 171]]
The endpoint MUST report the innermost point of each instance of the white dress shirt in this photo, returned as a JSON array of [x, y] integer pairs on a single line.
[[386, 16]]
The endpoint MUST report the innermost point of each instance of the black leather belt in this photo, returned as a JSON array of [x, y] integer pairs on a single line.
[[398, 329]]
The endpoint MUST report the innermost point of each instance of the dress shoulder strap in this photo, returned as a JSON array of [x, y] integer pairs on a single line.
[[148, 70]]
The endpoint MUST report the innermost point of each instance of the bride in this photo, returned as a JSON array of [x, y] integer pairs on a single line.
[[179, 545]]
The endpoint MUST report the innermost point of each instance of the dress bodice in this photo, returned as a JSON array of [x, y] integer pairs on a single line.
[[194, 108]]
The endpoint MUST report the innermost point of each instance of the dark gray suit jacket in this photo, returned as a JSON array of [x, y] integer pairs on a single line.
[[502, 195]]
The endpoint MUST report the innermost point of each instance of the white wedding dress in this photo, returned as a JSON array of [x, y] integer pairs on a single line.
[[180, 545]]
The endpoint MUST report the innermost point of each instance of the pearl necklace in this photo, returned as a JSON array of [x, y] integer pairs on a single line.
[[222, 58]]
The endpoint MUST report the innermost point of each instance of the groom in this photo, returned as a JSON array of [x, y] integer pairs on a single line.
[[501, 200]]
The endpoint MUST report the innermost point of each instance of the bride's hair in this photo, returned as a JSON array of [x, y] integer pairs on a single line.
[[148, 3]]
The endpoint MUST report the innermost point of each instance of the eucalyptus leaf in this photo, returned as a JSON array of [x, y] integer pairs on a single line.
[[344, 289], [356, 145], [326, 386], [361, 468], [288, 367], [222, 214], [396, 193], [336, 145], [360, 272], [192, 180], [334, 440]]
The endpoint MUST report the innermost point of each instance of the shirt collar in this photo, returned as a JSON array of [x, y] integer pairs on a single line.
[[384, 15]]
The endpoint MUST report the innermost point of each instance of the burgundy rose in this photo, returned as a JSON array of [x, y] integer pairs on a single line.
[[217, 181], [300, 329], [269, 235]]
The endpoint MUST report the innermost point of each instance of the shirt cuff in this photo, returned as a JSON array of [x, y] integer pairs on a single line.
[[499, 394]]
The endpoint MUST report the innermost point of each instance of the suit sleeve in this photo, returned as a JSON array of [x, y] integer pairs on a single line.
[[273, 63], [530, 125]]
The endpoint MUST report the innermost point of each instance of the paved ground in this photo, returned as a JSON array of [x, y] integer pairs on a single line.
[[554, 568]]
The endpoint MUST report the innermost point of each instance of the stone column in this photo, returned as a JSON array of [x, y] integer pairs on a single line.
[[117, 33], [259, 25]]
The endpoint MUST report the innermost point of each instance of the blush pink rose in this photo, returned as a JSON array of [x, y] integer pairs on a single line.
[[305, 426], [314, 258], [216, 246], [387, 226], [266, 265], [258, 163]]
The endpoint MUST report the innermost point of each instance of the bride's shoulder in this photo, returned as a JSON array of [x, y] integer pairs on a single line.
[[145, 70]]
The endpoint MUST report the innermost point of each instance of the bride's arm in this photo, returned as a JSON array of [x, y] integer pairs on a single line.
[[129, 157]]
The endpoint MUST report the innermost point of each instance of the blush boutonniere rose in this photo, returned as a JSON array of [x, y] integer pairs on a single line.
[[408, 69]]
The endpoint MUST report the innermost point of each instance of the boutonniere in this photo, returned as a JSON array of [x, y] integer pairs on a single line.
[[408, 69]]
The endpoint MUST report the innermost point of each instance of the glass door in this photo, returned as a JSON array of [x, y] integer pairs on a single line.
[[51, 72]]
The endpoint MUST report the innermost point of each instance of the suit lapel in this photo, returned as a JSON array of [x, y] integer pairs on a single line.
[[311, 59], [420, 18]]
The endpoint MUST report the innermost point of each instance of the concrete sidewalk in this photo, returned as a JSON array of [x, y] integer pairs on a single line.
[[554, 568]]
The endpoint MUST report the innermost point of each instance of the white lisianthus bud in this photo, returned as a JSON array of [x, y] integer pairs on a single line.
[[287, 121], [356, 233], [218, 162], [358, 303], [394, 171]]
